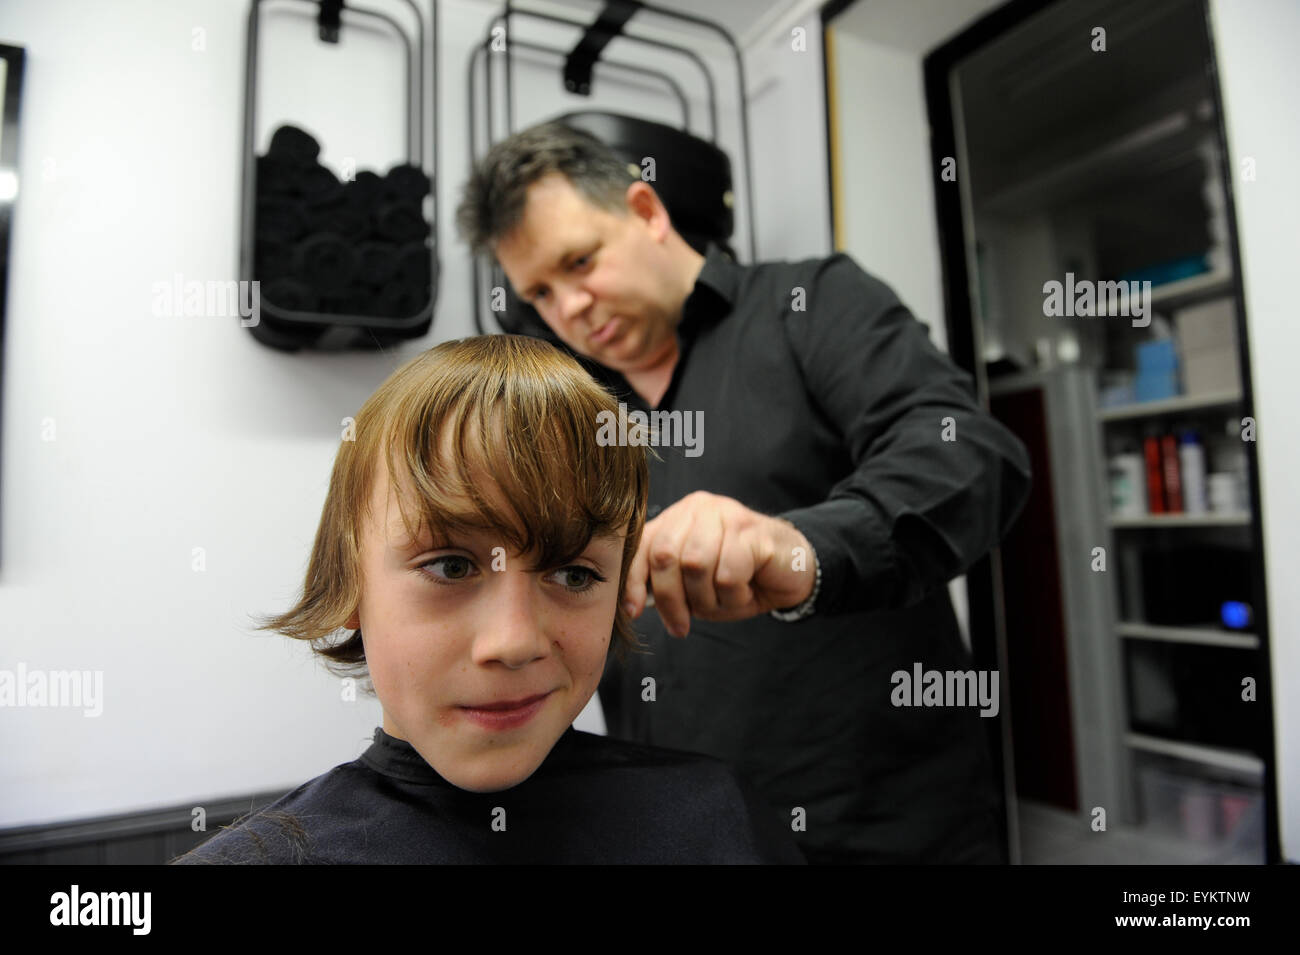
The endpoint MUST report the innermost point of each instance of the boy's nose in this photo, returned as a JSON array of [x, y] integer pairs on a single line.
[[509, 628]]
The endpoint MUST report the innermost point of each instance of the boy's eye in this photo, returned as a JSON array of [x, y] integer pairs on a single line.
[[587, 578], [459, 567], [456, 567]]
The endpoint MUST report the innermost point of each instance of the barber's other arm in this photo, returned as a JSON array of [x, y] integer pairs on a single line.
[[936, 481]]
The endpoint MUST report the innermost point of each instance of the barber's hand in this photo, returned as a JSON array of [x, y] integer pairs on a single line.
[[711, 557]]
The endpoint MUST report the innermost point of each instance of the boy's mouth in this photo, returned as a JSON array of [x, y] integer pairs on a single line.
[[507, 704], [506, 714]]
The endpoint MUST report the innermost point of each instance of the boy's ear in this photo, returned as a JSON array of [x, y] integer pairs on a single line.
[[353, 622]]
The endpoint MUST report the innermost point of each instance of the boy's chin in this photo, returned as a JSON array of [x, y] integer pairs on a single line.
[[495, 771]]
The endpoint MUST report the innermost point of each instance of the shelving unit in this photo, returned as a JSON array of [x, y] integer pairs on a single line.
[[1131, 186], [1164, 139], [1196, 753], [1182, 772], [1241, 519], [1183, 404], [1207, 636]]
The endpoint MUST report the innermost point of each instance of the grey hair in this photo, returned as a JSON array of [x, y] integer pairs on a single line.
[[492, 201]]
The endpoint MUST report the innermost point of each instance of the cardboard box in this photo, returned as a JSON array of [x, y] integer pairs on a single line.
[[1210, 370], [1208, 325]]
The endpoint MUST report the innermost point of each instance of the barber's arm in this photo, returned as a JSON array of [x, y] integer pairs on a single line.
[[936, 482]]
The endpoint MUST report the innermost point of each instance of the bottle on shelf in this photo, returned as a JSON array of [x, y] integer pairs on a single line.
[[1191, 460], [1155, 478], [1172, 474], [1128, 484]]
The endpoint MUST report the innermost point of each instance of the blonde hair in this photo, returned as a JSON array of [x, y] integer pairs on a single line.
[[540, 408]]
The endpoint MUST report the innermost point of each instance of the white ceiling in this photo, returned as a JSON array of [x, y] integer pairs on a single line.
[[740, 17], [915, 26]]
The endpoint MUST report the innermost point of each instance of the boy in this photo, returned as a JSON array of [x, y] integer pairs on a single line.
[[476, 538]]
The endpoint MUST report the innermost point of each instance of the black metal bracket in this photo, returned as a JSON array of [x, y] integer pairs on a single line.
[[608, 25], [422, 133], [594, 38], [330, 20]]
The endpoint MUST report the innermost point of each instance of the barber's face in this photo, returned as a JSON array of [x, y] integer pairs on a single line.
[[454, 632], [603, 282]]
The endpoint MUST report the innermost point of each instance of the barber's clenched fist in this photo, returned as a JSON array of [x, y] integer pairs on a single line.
[[711, 557]]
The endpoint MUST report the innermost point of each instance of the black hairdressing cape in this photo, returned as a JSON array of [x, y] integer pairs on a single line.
[[593, 800]]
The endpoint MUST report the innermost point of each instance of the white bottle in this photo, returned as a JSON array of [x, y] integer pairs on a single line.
[[1128, 490], [1191, 462]]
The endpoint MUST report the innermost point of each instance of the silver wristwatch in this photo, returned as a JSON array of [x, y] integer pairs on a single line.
[[806, 608]]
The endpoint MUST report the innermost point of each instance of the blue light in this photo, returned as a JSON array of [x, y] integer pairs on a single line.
[[1235, 614]]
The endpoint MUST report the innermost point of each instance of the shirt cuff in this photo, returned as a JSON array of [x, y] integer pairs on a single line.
[[859, 569]]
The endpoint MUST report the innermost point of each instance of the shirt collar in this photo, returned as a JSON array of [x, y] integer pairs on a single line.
[[399, 759], [716, 288]]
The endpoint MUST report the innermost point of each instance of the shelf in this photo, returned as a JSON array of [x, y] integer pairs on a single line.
[[1168, 296], [1205, 285], [1183, 404], [1183, 520], [1197, 753], [1207, 636], [1150, 148]]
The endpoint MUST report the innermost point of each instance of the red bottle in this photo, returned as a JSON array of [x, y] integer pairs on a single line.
[[1155, 482], [1172, 474]]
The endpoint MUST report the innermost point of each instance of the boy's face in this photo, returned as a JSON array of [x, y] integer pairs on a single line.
[[453, 631]]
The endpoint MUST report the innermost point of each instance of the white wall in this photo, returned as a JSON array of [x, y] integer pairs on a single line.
[[130, 439], [788, 126], [887, 200], [889, 222], [1256, 45]]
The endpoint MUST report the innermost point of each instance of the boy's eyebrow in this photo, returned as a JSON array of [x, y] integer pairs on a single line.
[[410, 545], [399, 540]]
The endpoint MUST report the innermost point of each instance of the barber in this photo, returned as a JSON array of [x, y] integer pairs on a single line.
[[801, 560]]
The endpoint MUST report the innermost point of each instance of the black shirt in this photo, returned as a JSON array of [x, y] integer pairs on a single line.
[[825, 403], [592, 800]]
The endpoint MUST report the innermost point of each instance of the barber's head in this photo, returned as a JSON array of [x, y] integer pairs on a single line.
[[582, 239]]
